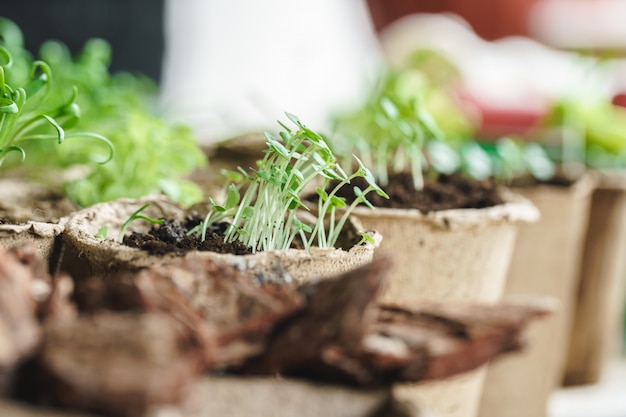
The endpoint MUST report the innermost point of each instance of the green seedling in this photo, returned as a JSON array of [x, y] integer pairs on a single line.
[[151, 155], [392, 129], [137, 216], [102, 232], [265, 217], [30, 113]]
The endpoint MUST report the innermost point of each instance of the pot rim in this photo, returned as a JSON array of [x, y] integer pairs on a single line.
[[515, 208]]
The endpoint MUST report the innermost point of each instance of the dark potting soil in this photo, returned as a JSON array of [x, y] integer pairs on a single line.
[[171, 236], [444, 193], [557, 181]]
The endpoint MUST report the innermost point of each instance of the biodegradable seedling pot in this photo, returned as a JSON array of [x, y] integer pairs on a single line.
[[249, 396], [30, 213], [87, 254], [459, 254], [597, 327], [545, 262]]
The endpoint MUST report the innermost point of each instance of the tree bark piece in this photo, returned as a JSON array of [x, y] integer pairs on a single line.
[[342, 335], [228, 313], [20, 331], [120, 364]]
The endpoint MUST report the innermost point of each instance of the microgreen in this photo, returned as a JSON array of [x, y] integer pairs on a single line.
[[137, 216], [27, 113], [393, 127], [152, 156], [266, 215]]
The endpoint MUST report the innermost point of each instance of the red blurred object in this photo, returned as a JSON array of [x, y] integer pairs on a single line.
[[500, 121], [496, 120], [620, 100], [491, 19]]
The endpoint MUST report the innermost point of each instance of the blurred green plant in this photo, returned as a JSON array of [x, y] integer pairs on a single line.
[[391, 129], [595, 129], [152, 156], [394, 130], [31, 109]]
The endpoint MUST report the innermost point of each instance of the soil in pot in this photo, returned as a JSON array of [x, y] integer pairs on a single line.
[[443, 193], [86, 254], [172, 236]]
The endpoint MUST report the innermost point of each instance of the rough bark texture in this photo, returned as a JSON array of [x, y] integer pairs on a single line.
[[347, 337], [120, 364], [227, 313], [128, 345], [20, 331]]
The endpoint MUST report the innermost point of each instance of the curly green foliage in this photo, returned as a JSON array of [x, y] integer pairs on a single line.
[[29, 108], [152, 156]]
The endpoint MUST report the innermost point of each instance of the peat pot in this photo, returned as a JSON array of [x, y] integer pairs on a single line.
[[253, 396], [456, 255], [546, 263], [88, 255], [597, 330], [31, 213]]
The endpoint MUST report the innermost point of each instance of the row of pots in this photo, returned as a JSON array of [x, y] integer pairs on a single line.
[[471, 255], [573, 253]]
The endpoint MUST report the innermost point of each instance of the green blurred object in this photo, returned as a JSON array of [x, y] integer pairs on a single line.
[[151, 155], [411, 120], [601, 125]]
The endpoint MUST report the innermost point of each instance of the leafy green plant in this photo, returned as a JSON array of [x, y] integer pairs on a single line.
[[511, 160], [266, 216], [394, 130], [593, 133], [152, 156], [31, 113]]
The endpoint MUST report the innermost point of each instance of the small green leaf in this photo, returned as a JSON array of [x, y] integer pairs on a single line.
[[232, 197], [323, 195], [102, 232], [247, 212], [367, 238], [232, 175], [293, 118], [41, 74], [8, 106], [299, 225], [137, 216], [337, 202], [12, 148], [57, 127], [360, 196], [389, 108], [216, 207]]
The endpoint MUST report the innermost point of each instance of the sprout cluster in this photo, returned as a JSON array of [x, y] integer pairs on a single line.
[[267, 215]]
